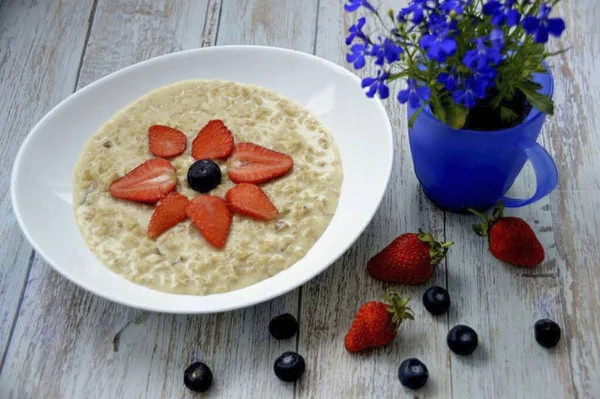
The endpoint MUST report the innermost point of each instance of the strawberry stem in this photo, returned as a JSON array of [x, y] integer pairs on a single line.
[[437, 251], [398, 307], [483, 229]]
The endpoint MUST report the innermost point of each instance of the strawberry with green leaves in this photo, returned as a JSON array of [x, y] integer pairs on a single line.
[[409, 259], [376, 323], [511, 239]]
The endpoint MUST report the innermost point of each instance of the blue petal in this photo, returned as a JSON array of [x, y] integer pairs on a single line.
[[426, 41], [491, 8], [423, 92], [458, 96], [372, 90], [498, 19], [470, 58], [556, 26], [367, 82], [448, 46], [530, 24], [350, 38], [351, 7], [413, 100], [497, 37], [469, 100], [403, 96], [384, 91], [512, 18], [541, 35], [360, 62]]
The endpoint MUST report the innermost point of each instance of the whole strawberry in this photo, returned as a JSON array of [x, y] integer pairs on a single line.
[[409, 259], [510, 238], [376, 323]]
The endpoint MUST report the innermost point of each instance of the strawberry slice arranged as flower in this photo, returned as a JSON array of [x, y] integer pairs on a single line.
[[165, 141], [212, 217], [214, 141], [252, 163], [169, 212], [147, 183], [250, 200]]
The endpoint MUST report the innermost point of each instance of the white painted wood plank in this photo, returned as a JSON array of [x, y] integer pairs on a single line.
[[65, 335], [574, 141], [330, 301], [39, 59], [502, 303]]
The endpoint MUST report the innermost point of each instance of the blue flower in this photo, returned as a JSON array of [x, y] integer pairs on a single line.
[[414, 93], [417, 8], [454, 5], [482, 56], [357, 57], [377, 85], [356, 31], [497, 37], [541, 26], [450, 79], [354, 5], [468, 94], [438, 43], [386, 50], [502, 13], [485, 76]]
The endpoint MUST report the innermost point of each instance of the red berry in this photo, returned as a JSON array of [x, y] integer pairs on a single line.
[[252, 163], [147, 183]]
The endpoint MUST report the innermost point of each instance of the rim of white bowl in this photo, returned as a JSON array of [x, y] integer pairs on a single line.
[[229, 307]]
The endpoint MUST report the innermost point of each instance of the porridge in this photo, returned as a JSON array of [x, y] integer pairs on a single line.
[[183, 258]]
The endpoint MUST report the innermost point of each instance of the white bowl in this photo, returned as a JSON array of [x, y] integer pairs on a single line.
[[41, 184]]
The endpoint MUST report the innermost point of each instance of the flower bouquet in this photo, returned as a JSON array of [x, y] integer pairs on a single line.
[[477, 89]]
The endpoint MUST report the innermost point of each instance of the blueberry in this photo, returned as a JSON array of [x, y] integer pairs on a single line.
[[436, 300], [204, 175], [462, 340], [283, 326], [547, 333], [412, 373], [289, 366], [197, 377]]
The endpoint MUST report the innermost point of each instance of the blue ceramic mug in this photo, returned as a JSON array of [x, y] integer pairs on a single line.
[[460, 169]]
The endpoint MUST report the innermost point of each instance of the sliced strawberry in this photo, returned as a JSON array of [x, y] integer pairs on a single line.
[[169, 212], [214, 141], [165, 141], [212, 217], [252, 163], [250, 200], [147, 183]]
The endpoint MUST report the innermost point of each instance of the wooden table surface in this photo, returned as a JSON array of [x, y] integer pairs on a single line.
[[58, 341]]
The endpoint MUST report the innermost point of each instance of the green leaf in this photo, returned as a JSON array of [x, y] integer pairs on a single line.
[[390, 14], [395, 76], [558, 52], [437, 108], [507, 114], [456, 115], [413, 118], [536, 99]]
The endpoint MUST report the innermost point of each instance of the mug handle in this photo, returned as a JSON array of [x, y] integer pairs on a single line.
[[545, 170]]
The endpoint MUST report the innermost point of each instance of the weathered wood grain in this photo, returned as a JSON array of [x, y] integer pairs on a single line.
[[63, 330], [67, 343], [502, 303], [40, 49], [574, 141], [153, 350], [330, 301]]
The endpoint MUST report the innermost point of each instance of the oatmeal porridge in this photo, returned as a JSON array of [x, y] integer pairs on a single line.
[[181, 260]]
